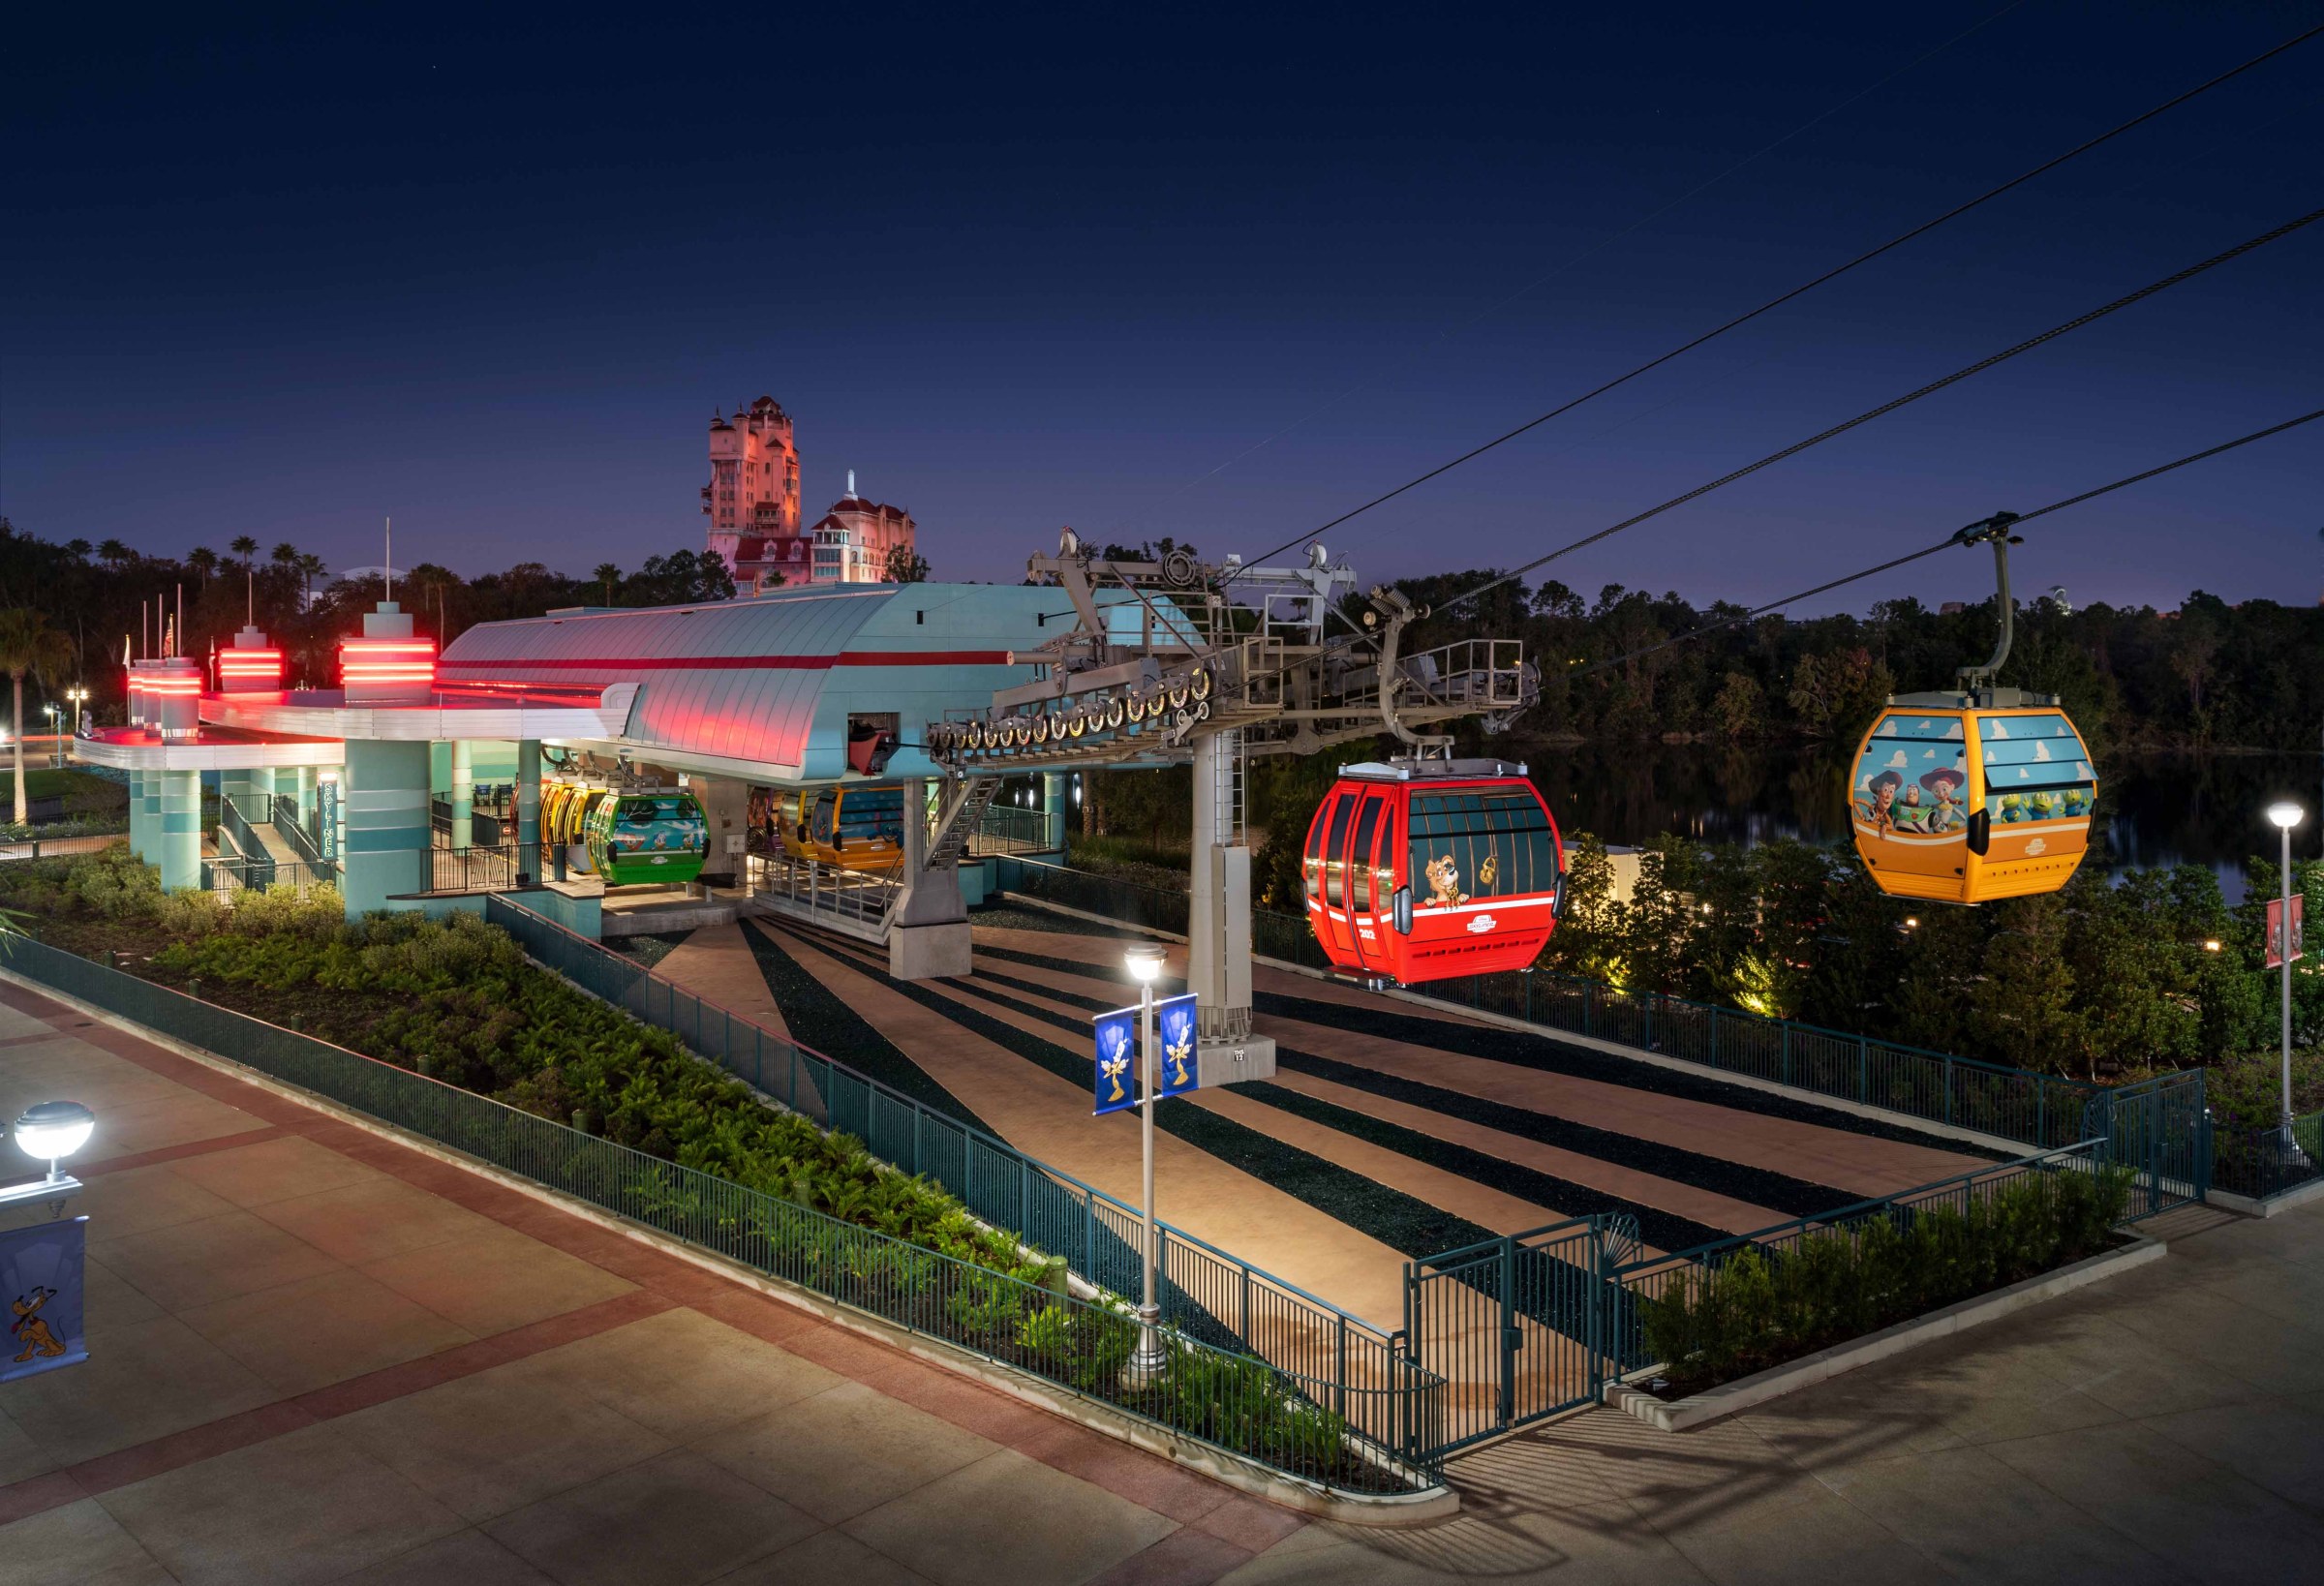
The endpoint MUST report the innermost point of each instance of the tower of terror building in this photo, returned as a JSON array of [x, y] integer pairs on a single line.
[[752, 503]]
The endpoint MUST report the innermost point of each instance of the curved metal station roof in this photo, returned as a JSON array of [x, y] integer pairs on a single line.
[[767, 684]]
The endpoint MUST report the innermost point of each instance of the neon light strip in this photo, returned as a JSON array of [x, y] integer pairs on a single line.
[[742, 663]]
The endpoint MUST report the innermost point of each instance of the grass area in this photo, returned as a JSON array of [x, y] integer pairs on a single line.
[[53, 782]]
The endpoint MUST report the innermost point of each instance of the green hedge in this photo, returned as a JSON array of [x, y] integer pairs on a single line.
[[457, 1001], [1762, 1305]]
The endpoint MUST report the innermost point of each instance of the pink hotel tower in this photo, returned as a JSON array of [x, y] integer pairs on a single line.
[[752, 503]]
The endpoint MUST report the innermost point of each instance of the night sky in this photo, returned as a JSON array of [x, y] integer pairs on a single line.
[[1166, 272]]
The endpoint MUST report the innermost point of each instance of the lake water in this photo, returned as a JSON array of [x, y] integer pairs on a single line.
[[2153, 809]]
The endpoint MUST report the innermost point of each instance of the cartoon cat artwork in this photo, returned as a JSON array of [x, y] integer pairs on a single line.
[[32, 1329], [1443, 883]]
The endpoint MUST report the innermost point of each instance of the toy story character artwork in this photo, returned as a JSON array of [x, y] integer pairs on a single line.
[[1945, 787], [1878, 803], [32, 1331], [1443, 883]]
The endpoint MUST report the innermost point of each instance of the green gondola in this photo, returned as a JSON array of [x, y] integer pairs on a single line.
[[659, 839]]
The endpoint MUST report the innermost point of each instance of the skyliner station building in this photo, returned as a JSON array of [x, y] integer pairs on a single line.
[[376, 782]]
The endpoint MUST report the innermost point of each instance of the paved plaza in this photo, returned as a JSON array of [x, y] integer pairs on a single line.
[[319, 1355]]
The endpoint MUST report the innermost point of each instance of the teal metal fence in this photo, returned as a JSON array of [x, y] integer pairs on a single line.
[[2256, 1161], [1353, 1432], [1854, 1308], [2040, 1111], [1204, 1292]]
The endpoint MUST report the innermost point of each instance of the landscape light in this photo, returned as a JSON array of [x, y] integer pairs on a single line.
[[1911, 921], [2286, 814], [1145, 963], [52, 1131], [2212, 946]]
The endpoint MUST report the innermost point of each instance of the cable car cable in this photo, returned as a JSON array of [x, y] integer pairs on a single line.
[[1829, 275], [1945, 545], [1893, 404]]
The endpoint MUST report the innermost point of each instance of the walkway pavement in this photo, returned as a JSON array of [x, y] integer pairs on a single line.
[[319, 1355], [1397, 1148], [2165, 1426]]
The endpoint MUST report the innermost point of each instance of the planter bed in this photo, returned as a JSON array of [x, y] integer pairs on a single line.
[[1716, 1403]]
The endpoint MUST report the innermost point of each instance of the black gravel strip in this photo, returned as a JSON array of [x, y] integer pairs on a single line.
[[1019, 917], [1402, 1222], [1760, 1186], [821, 1019], [1546, 1051]]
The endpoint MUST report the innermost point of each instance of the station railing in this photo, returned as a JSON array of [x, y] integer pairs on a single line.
[[2254, 1160], [1257, 1408], [2042, 1111], [1352, 1367]]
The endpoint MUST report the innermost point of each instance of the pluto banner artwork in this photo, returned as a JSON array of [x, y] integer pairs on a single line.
[[41, 1272]]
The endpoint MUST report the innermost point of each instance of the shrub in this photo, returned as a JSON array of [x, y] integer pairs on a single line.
[[1760, 1305]]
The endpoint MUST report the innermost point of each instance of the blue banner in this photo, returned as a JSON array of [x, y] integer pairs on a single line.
[[41, 1272], [1174, 1018], [1117, 1061]]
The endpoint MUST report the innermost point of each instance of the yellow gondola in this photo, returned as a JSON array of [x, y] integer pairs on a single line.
[[1977, 793]]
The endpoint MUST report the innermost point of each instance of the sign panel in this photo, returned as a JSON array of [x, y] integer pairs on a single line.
[[1173, 1021], [41, 1275], [2276, 955], [326, 820], [1116, 1072]]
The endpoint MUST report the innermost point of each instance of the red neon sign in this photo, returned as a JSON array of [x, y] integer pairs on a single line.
[[174, 685], [242, 664]]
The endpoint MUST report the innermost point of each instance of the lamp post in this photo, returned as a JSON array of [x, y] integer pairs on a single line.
[[51, 1132], [1145, 967], [2287, 815], [79, 698], [56, 745]]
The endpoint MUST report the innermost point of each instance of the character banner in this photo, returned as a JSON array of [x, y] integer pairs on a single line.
[[1174, 1020], [2275, 954], [1117, 1061], [40, 1270]]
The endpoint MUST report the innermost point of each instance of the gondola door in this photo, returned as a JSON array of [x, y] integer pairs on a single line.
[[1365, 921], [1328, 878]]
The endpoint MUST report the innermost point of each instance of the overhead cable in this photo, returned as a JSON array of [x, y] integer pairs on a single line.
[[1894, 403], [1945, 545], [1827, 276]]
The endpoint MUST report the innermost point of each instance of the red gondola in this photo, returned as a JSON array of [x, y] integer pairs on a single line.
[[1417, 871]]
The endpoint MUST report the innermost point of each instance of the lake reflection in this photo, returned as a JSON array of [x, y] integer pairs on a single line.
[[2153, 809]]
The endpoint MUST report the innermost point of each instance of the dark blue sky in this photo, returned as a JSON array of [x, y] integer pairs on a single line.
[[491, 277]]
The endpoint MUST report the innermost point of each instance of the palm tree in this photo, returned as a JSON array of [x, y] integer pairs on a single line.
[[246, 547], [606, 572], [77, 549], [115, 555], [310, 568], [285, 555], [204, 562], [28, 644]]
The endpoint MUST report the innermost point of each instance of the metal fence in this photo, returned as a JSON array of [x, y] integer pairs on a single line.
[[227, 876], [1231, 1399], [1352, 1368], [1853, 1308], [303, 833], [1005, 830], [2253, 1161], [2040, 1111]]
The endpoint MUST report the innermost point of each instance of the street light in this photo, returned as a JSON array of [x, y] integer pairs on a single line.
[[79, 698], [51, 1132], [1144, 962], [2287, 815]]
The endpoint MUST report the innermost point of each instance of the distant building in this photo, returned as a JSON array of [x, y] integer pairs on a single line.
[[1951, 608], [752, 497], [752, 503], [853, 539]]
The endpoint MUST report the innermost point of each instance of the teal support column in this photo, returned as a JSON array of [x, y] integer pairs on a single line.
[[178, 839], [149, 801], [137, 814], [464, 793], [1055, 794], [261, 793], [527, 812], [385, 802]]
